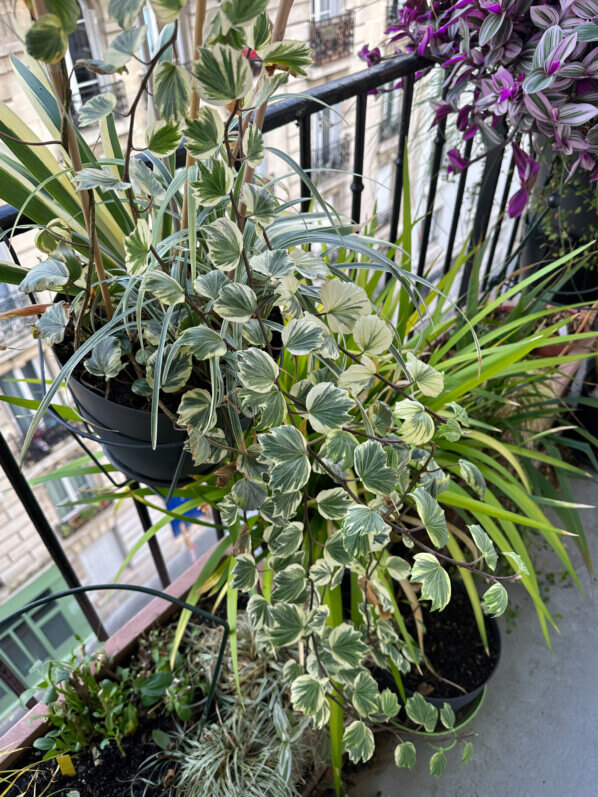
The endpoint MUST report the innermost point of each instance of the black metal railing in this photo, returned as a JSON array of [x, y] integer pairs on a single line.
[[300, 110], [331, 38]]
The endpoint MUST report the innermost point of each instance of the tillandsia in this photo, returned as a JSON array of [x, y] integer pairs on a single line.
[[206, 294], [517, 75]]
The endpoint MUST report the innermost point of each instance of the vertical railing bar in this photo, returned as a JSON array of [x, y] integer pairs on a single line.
[[305, 158], [218, 521], [436, 163], [400, 159], [499, 221], [14, 683], [153, 544], [457, 210], [47, 534], [358, 156]]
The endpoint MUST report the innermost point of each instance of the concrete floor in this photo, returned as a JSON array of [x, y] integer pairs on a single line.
[[536, 733]]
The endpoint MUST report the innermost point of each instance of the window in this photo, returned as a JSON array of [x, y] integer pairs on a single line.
[[384, 194], [324, 9], [26, 390], [389, 123], [326, 136], [153, 36], [84, 43], [64, 491]]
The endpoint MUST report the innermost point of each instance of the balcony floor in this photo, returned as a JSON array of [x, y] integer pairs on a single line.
[[536, 730]]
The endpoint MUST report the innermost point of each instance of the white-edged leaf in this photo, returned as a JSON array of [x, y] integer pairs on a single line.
[[260, 205], [432, 516], [343, 303], [195, 409], [125, 12], [398, 568], [467, 753], [204, 134], [347, 646], [172, 90], [90, 177], [428, 379], [495, 600], [388, 704], [285, 446], [334, 503], [307, 695], [164, 288], [417, 427], [225, 243], [215, 182], [237, 302], [274, 263], [167, 10], [358, 376], [105, 359], [340, 447], [434, 580], [163, 137], [447, 716], [288, 624], [360, 528], [405, 755], [49, 275], [472, 476], [210, 284], [328, 407], [371, 466], [222, 74], [244, 574], [358, 741], [96, 108], [52, 324], [484, 544], [516, 561], [203, 342], [254, 146], [365, 695], [288, 55], [372, 335], [437, 764], [240, 12], [257, 370], [137, 247], [122, 48], [421, 712]]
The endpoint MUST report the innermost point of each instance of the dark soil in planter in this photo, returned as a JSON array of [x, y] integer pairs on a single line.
[[454, 648]]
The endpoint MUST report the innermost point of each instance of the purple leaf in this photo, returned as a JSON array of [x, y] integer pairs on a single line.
[[576, 114], [539, 106], [544, 16]]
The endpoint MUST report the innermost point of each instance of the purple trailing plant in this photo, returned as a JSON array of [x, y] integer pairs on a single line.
[[532, 67]]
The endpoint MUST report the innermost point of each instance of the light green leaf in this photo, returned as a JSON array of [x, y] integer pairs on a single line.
[[405, 755], [258, 611], [223, 74], [259, 204], [46, 39], [359, 742], [285, 447], [67, 11], [360, 527], [205, 134], [495, 600], [172, 90], [244, 575], [96, 108], [103, 178], [432, 516], [346, 645], [358, 376], [328, 407], [388, 704], [307, 695], [257, 370], [421, 712], [288, 623], [334, 503], [289, 56], [249, 494], [224, 243], [124, 46], [514, 557], [52, 324], [167, 10], [365, 695], [254, 146], [484, 543], [302, 336], [240, 12], [437, 764], [371, 467], [372, 335], [340, 447], [472, 476], [137, 247], [321, 572], [417, 427], [49, 275], [268, 85], [274, 263], [290, 585], [447, 716], [215, 182], [203, 342], [195, 409], [428, 379], [308, 264], [164, 288], [436, 584], [398, 567], [236, 302], [467, 753], [125, 12], [343, 303], [163, 137], [105, 359]]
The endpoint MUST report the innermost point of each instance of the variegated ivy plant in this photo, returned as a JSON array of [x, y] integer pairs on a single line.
[[322, 419]]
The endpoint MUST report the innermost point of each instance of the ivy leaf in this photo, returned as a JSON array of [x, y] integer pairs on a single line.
[[347, 646], [123, 46], [203, 342], [495, 600], [237, 302], [447, 716], [288, 623], [436, 584], [125, 12], [290, 585], [421, 712], [285, 447], [271, 406], [46, 39], [284, 541], [259, 204], [67, 11], [371, 467], [405, 755], [96, 108], [205, 134], [164, 287], [437, 764], [258, 611], [137, 247], [52, 324], [225, 243], [163, 137], [167, 10], [103, 179], [254, 146], [358, 741], [268, 85], [398, 568], [360, 527], [289, 56], [49, 275], [343, 303], [172, 90], [417, 427], [328, 407], [105, 359], [179, 370], [308, 264], [195, 409], [388, 704], [275, 263], [148, 182], [428, 379], [210, 284], [240, 12], [333, 504], [467, 753], [244, 574], [340, 447], [307, 695], [321, 573], [215, 182], [517, 561], [257, 370], [335, 552], [484, 544], [302, 335], [472, 476], [249, 494], [372, 335], [365, 695], [223, 74], [432, 516]]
